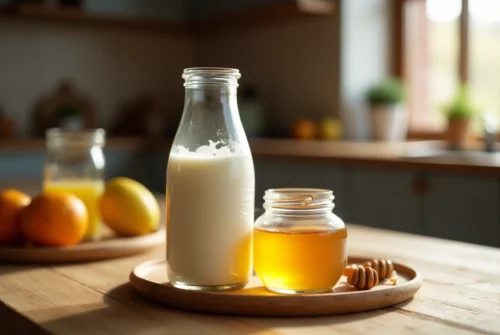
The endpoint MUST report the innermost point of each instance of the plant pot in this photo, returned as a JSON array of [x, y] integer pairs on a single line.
[[458, 132], [389, 122]]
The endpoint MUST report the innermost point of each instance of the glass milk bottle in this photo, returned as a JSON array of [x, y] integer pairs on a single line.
[[210, 187], [74, 163]]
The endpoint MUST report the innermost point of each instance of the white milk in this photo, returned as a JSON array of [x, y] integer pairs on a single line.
[[210, 215]]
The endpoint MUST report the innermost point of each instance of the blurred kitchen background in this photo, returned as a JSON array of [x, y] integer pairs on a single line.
[[393, 104]]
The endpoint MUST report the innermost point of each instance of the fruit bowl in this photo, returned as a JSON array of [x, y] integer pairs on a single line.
[[54, 225]]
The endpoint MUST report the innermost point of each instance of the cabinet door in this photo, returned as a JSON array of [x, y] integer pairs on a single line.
[[23, 171], [463, 208], [22, 165], [272, 173], [148, 168], [382, 199]]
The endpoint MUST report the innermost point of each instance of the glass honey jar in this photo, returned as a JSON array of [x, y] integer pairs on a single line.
[[299, 244]]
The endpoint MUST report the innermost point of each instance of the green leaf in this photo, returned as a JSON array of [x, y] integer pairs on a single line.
[[388, 91], [461, 106]]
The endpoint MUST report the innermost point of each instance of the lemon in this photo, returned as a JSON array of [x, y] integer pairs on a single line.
[[129, 208]]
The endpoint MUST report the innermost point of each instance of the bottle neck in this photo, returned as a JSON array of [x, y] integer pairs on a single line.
[[211, 94], [211, 89], [210, 113]]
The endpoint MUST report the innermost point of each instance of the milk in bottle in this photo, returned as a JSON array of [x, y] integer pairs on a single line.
[[210, 187]]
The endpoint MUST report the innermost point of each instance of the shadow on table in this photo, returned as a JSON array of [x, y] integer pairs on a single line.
[[123, 311]]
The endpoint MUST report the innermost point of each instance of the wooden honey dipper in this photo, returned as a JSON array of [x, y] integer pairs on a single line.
[[362, 277], [384, 267]]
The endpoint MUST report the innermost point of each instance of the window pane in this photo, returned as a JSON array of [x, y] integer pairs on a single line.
[[443, 37], [485, 54], [431, 59]]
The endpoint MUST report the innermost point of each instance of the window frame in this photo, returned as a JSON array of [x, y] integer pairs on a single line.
[[399, 53]]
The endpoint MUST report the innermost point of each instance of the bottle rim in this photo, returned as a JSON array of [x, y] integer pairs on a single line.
[[220, 76], [300, 199], [84, 137]]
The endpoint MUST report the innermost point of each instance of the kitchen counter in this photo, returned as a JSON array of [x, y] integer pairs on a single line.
[[421, 155], [460, 295]]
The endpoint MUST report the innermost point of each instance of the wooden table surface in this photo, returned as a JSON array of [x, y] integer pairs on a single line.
[[460, 295]]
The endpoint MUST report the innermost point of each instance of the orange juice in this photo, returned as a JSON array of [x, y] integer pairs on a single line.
[[89, 191]]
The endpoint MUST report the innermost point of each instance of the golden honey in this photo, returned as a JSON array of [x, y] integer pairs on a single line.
[[300, 260]]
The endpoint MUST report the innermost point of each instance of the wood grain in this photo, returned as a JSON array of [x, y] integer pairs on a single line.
[[460, 295], [273, 13], [62, 306], [264, 14]]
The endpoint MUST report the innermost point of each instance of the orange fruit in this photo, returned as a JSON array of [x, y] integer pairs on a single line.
[[304, 129], [55, 219], [12, 203]]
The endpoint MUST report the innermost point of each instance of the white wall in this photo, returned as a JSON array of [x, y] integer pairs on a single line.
[[295, 65], [364, 58], [300, 67], [110, 65]]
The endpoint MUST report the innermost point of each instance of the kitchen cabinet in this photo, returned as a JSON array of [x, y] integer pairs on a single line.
[[156, 173], [149, 168], [21, 165], [22, 171], [26, 168], [382, 199], [272, 173], [463, 208]]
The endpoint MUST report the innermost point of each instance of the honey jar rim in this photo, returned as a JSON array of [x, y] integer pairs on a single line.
[[298, 198]]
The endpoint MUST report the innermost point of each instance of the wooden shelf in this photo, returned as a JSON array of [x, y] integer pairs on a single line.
[[77, 16], [367, 154], [266, 14]]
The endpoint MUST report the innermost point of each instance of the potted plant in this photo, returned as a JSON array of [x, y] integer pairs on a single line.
[[388, 115], [459, 112]]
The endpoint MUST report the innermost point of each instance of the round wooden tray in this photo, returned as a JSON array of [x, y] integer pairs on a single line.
[[150, 280], [109, 247]]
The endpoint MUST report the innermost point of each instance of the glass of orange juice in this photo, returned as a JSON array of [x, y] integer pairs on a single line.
[[74, 163]]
